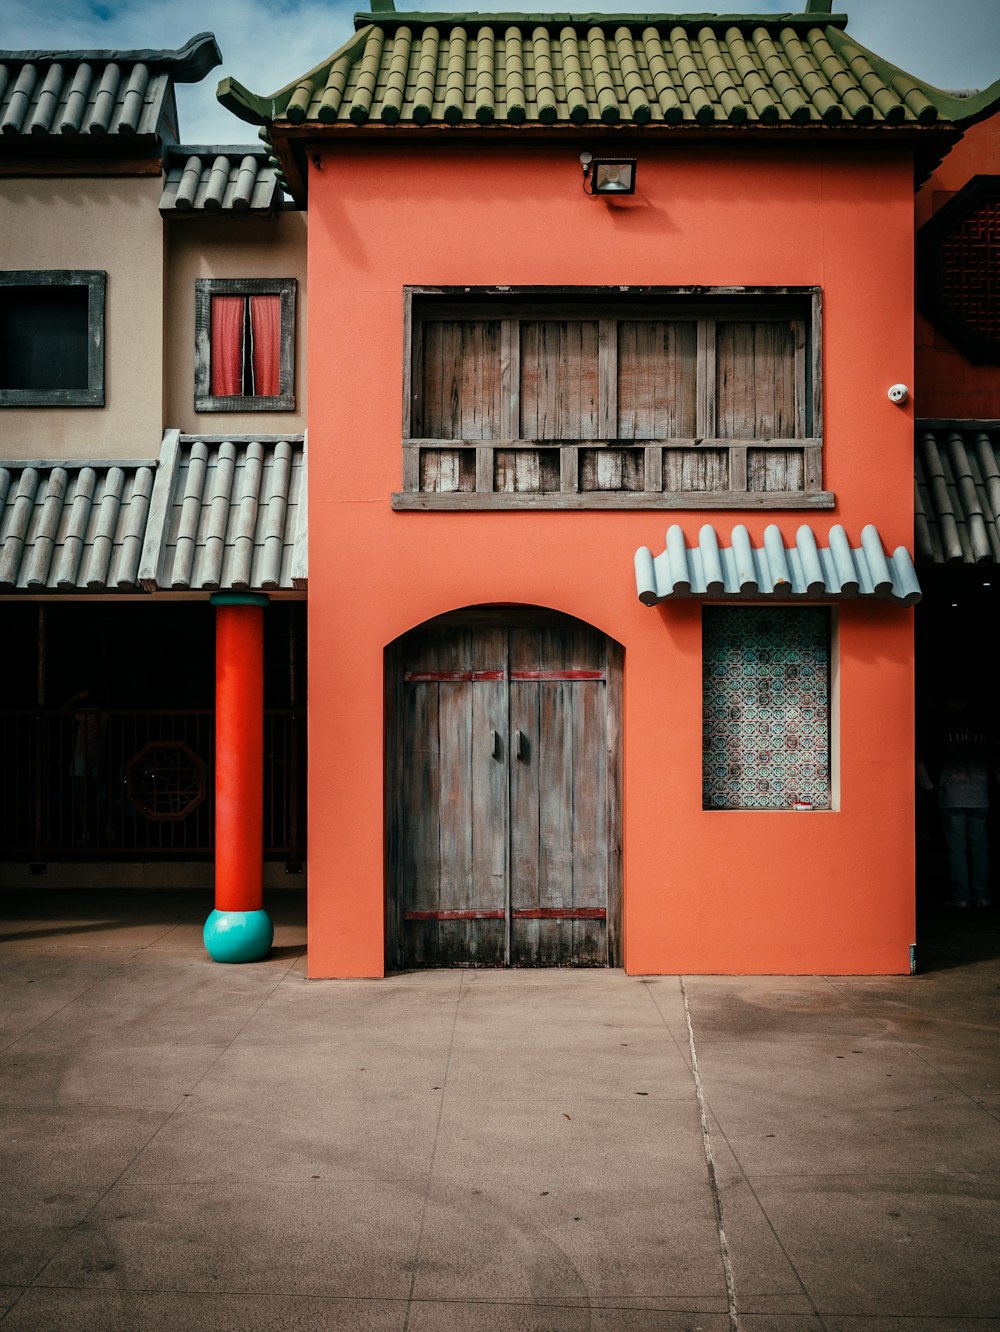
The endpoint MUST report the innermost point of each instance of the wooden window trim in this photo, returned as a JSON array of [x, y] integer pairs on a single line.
[[606, 307], [205, 289], [95, 281]]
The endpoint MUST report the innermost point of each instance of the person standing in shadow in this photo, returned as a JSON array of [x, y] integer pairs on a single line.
[[963, 764]]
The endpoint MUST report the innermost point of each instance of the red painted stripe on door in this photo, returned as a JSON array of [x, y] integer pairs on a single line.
[[557, 675], [453, 915], [560, 913], [447, 677]]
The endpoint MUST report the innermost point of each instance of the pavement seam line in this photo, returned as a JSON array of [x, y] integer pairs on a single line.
[[30, 1285], [905, 1044], [430, 1168], [727, 1266], [767, 1219], [56, 1011]]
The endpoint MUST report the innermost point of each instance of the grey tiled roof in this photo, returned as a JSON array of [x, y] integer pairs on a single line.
[[73, 527], [202, 180], [805, 571], [67, 94], [227, 514], [957, 500], [210, 514]]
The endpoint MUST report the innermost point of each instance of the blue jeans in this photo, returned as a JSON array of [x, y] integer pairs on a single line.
[[968, 853]]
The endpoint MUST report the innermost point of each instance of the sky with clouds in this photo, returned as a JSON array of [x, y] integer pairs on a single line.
[[268, 43]]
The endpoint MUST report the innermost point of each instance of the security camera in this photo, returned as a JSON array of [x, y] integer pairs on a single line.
[[899, 394]]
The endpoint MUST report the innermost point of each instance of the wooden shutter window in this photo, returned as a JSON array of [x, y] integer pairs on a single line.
[[562, 401]]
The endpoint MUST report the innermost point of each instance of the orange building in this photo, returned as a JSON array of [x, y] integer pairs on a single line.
[[575, 285], [606, 328]]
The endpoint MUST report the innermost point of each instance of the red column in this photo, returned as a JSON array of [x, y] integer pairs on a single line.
[[239, 929], [239, 757]]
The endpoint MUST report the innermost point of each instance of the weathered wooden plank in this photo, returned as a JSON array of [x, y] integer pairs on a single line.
[[548, 939], [653, 479], [695, 470], [814, 425], [459, 392], [737, 465], [559, 379], [590, 796], [559, 673], [607, 378], [486, 940], [613, 662], [525, 470], [411, 467], [569, 469], [775, 469], [484, 469], [800, 338], [705, 401], [447, 470], [510, 379], [455, 808], [420, 868], [561, 913], [612, 469], [657, 378], [755, 379], [613, 499], [524, 656], [813, 463], [496, 914]]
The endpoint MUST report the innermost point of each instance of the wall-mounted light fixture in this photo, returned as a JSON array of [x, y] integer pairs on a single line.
[[608, 175]]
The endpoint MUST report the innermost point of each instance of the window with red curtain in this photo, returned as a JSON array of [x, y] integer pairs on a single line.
[[246, 346]]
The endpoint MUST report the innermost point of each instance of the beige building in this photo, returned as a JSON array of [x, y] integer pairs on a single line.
[[152, 455]]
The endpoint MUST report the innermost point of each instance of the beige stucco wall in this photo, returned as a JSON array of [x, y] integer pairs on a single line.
[[229, 247], [109, 223]]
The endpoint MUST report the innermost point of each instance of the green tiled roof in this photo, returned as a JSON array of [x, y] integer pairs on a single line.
[[670, 71]]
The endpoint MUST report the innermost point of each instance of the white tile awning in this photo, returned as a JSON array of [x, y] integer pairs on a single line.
[[806, 571]]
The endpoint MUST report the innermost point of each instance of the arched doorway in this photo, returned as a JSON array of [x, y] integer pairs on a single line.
[[504, 792]]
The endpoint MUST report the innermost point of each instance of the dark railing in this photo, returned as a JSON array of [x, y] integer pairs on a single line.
[[101, 783]]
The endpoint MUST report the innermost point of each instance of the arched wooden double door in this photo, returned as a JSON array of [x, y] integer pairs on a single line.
[[504, 793]]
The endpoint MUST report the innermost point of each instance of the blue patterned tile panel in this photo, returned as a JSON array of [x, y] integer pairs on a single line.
[[766, 707]]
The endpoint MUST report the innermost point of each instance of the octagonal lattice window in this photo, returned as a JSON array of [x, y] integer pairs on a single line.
[[166, 780]]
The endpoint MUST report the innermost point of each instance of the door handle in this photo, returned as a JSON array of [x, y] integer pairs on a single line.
[[496, 749], [521, 750]]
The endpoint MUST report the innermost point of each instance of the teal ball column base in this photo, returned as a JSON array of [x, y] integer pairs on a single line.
[[238, 936]]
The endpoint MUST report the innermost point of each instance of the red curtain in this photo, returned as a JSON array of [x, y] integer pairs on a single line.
[[227, 346], [265, 324]]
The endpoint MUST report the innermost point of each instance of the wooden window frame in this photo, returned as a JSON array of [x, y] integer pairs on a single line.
[[608, 305], [204, 399], [95, 282]]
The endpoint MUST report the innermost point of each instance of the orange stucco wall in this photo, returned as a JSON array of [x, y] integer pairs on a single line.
[[703, 891], [947, 384]]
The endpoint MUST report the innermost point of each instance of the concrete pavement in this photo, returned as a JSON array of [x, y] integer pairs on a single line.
[[185, 1145]]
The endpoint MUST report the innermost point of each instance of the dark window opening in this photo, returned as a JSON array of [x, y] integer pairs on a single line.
[[52, 338]]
